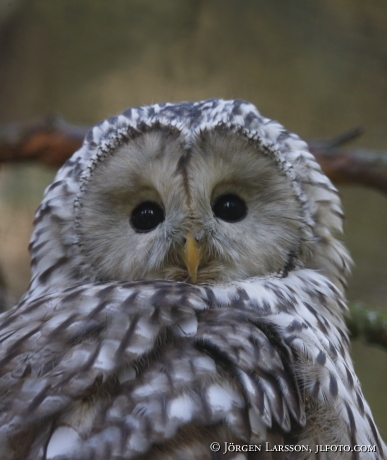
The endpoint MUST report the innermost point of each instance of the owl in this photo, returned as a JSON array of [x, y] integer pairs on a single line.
[[186, 300]]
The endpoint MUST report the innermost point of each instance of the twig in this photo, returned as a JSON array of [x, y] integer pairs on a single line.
[[338, 140]]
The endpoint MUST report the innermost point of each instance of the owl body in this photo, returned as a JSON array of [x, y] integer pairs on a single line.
[[187, 288]]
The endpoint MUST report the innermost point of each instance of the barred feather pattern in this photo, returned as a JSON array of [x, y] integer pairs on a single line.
[[109, 369], [132, 370]]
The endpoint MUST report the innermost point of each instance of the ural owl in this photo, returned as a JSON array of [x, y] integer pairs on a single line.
[[187, 290]]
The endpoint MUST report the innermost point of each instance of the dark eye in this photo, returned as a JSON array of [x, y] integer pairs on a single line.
[[230, 208], [147, 216]]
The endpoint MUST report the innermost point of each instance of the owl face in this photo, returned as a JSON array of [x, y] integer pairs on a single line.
[[205, 192], [215, 209]]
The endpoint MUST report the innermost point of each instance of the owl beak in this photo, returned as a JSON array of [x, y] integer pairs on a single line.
[[191, 257]]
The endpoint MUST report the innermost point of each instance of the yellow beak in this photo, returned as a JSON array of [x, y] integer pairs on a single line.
[[191, 257]]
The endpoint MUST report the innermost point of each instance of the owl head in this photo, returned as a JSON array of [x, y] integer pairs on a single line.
[[204, 192]]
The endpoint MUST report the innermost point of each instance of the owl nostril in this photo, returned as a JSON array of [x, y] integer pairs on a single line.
[[196, 238]]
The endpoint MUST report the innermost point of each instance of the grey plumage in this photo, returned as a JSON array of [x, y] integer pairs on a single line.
[[94, 364]]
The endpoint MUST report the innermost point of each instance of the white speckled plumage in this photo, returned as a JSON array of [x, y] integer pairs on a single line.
[[109, 355]]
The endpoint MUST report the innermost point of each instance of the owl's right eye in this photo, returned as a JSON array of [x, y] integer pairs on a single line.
[[147, 216]]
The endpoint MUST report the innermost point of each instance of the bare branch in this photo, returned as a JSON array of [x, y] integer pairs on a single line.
[[52, 141], [358, 167]]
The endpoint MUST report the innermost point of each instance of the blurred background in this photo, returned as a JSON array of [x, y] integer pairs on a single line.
[[319, 67]]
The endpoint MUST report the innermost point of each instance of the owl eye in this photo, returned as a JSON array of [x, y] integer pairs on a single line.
[[147, 216], [230, 208]]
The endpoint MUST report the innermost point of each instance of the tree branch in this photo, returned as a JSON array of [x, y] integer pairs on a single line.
[[358, 167], [52, 141]]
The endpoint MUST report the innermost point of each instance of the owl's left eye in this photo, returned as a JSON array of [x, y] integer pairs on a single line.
[[147, 216], [230, 208]]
